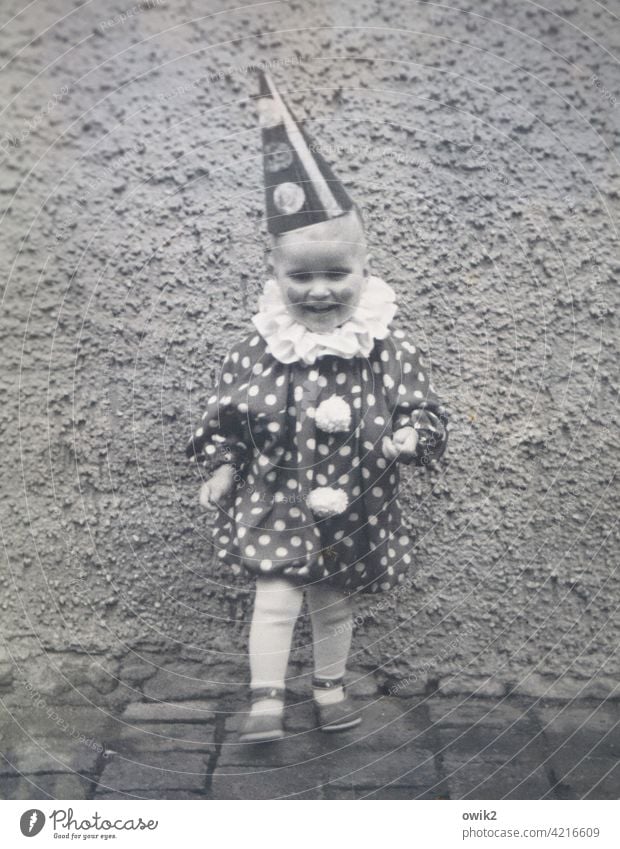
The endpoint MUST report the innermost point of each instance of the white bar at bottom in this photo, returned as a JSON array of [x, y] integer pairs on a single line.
[[371, 824]]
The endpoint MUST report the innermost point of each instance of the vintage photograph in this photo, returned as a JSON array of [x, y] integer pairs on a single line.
[[310, 401]]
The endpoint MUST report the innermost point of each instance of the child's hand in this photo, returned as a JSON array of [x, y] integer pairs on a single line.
[[402, 446], [217, 487]]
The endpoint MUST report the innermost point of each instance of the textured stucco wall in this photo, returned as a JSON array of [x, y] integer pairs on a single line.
[[481, 144]]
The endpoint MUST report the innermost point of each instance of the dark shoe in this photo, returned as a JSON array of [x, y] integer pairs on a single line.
[[263, 727], [339, 716]]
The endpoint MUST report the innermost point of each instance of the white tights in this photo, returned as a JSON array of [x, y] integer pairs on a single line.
[[276, 608]]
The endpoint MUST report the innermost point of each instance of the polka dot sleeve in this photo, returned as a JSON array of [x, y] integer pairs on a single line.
[[417, 404], [221, 437]]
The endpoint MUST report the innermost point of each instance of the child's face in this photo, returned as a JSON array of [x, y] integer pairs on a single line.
[[321, 271]]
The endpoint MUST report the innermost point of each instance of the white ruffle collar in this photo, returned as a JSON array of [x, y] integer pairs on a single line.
[[289, 341]]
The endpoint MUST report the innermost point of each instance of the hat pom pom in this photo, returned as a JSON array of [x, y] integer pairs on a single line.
[[333, 415], [325, 501]]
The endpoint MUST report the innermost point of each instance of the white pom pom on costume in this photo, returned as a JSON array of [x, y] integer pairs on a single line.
[[325, 501], [333, 415]]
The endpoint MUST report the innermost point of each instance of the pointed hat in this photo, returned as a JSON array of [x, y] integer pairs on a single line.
[[300, 187]]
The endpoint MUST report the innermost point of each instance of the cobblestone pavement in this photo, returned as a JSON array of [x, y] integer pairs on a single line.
[[425, 747]]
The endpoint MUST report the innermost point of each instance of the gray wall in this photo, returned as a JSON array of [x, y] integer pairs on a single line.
[[132, 248]]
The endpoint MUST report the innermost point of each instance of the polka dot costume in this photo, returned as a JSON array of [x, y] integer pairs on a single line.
[[263, 420]]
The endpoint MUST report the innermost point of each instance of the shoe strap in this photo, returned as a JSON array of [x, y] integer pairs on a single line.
[[327, 683], [257, 694]]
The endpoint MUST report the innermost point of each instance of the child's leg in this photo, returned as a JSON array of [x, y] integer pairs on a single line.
[[276, 608], [332, 630]]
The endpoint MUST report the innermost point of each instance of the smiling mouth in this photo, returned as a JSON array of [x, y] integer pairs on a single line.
[[320, 307]]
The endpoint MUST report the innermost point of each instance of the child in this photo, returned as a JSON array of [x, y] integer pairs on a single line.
[[312, 414]]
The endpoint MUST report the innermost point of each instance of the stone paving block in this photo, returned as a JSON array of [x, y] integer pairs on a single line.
[[521, 739], [486, 777], [580, 776], [583, 741], [186, 711], [186, 795], [134, 672], [347, 769], [411, 686], [59, 721], [162, 737], [155, 771], [567, 687], [386, 719], [387, 793], [394, 747], [485, 686], [66, 740], [251, 782], [406, 766], [52, 754], [42, 786], [585, 726], [513, 767], [469, 711], [414, 716], [606, 784], [490, 750], [187, 681]]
